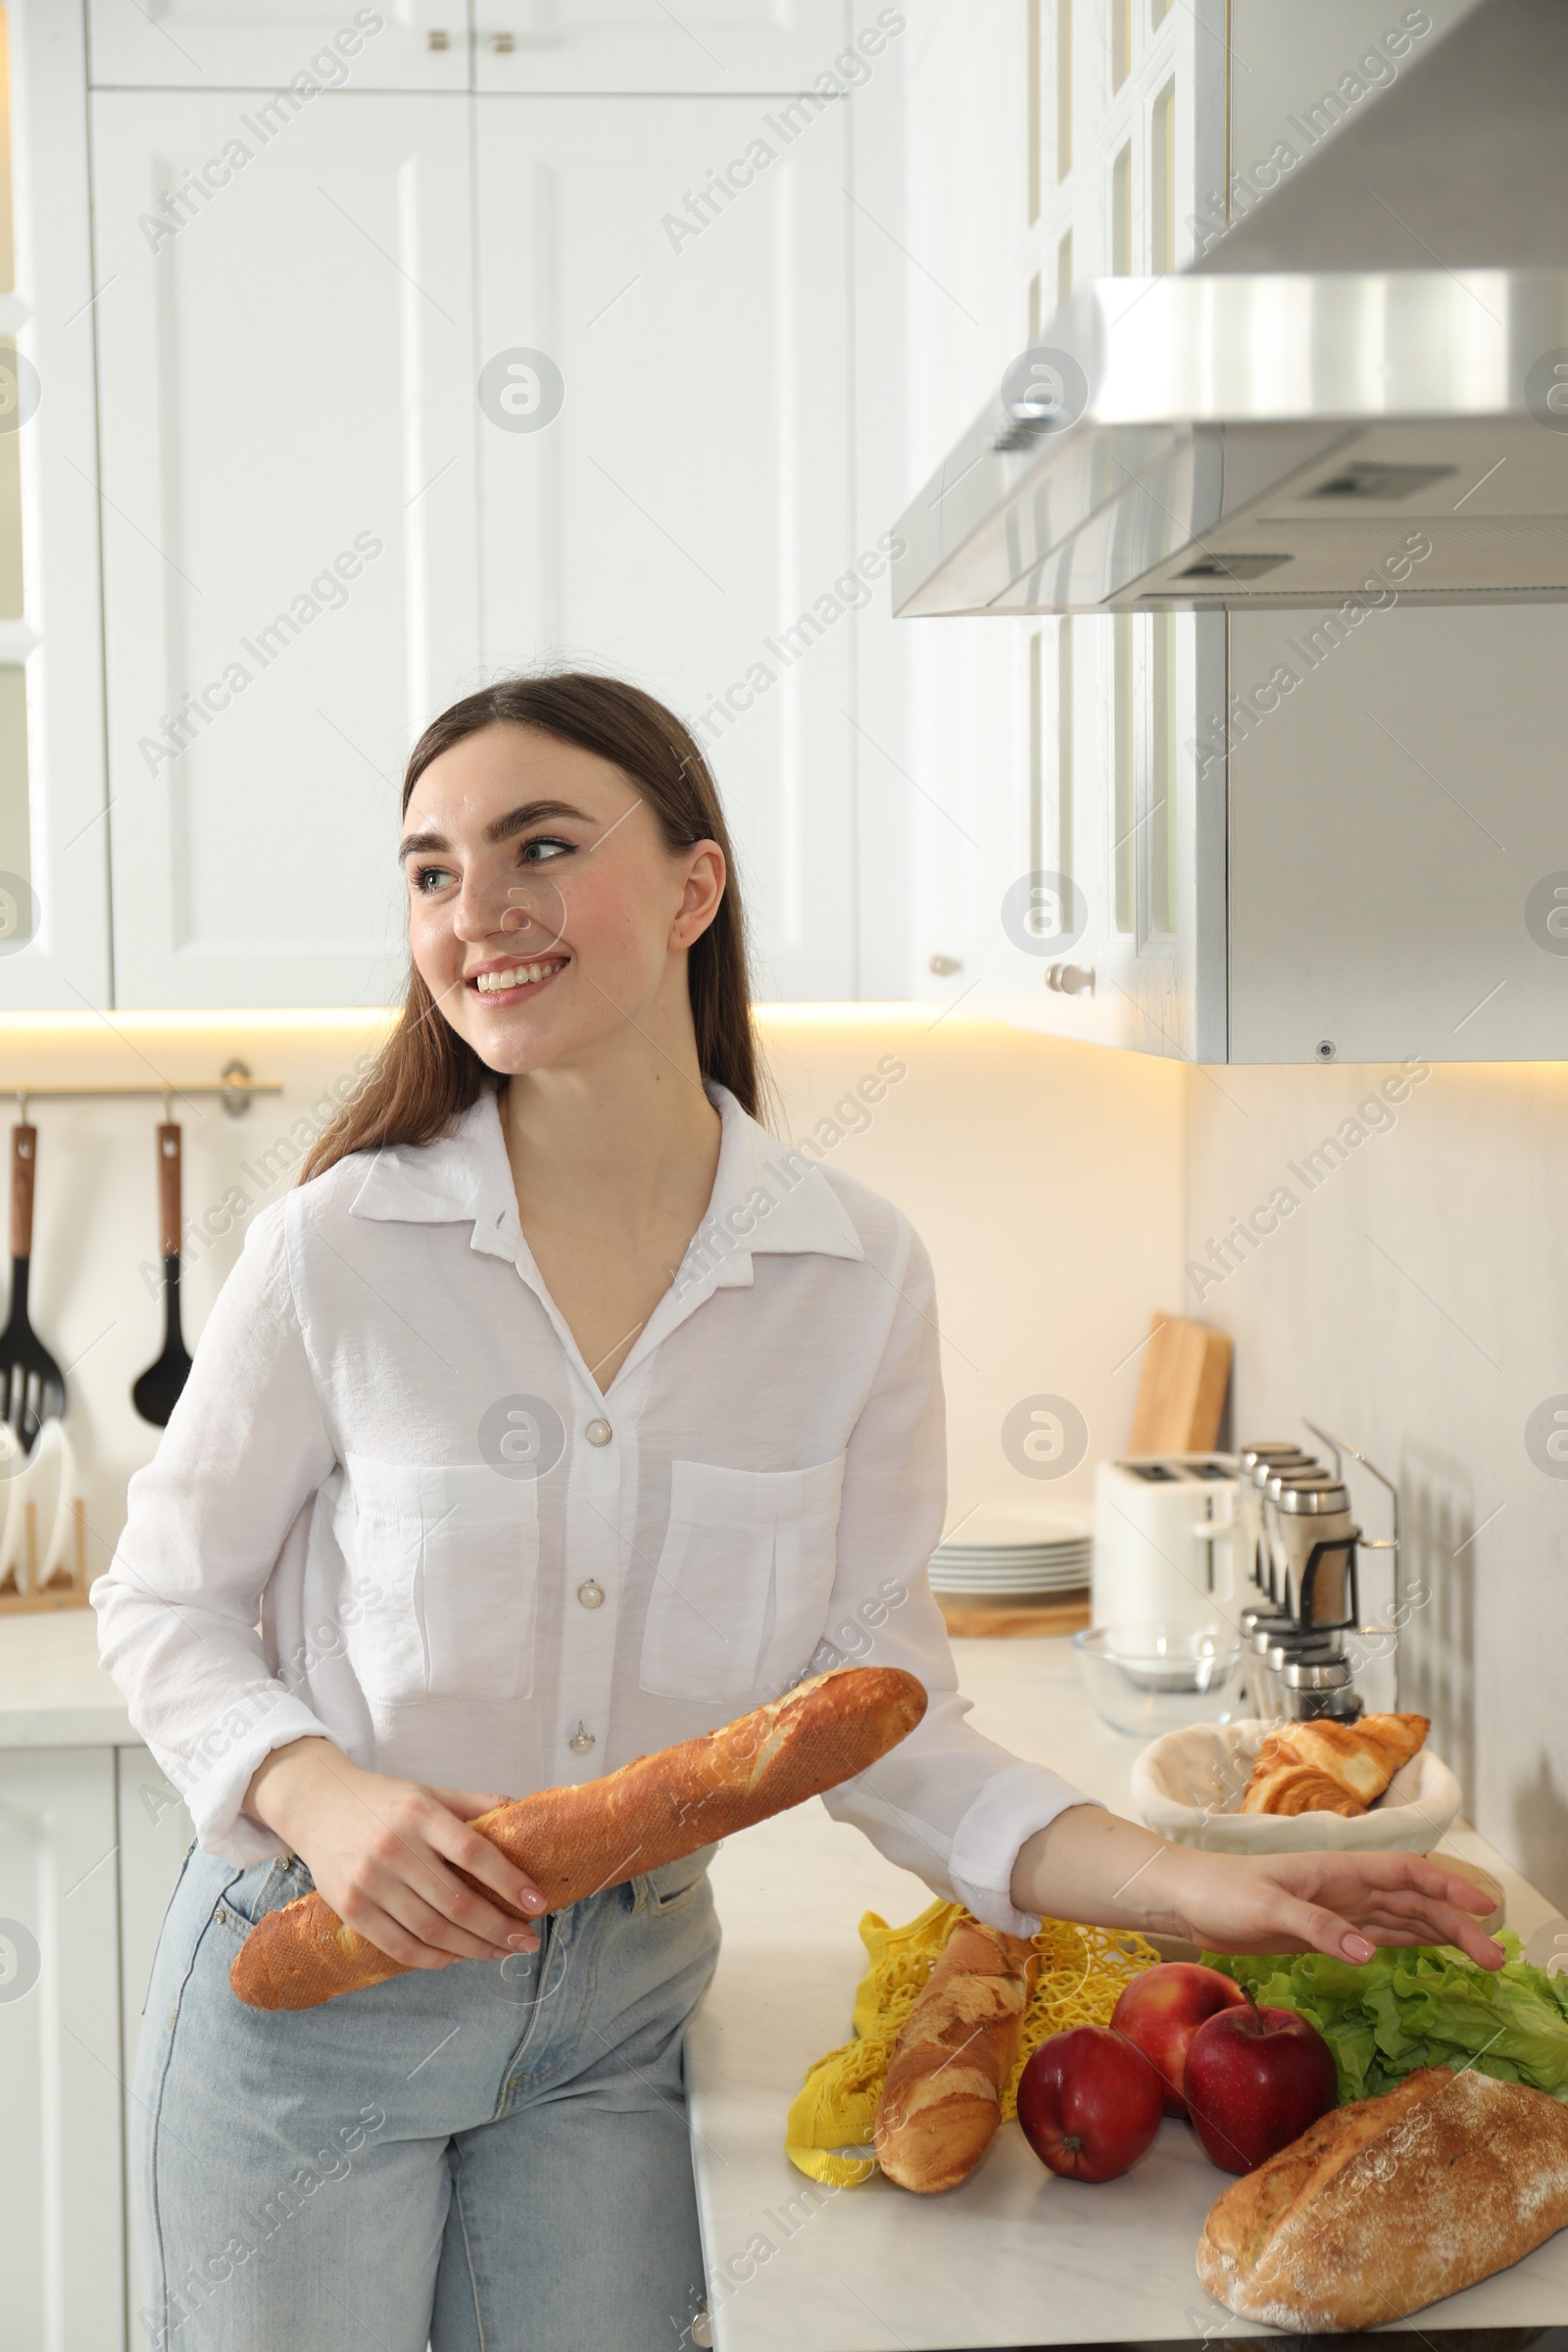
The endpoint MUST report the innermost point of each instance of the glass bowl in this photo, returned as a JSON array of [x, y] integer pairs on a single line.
[[1151, 1679]]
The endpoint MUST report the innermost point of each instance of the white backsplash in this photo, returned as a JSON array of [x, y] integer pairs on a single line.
[[1412, 1298]]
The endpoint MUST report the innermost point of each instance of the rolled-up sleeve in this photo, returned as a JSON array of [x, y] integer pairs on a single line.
[[947, 1803], [232, 1481]]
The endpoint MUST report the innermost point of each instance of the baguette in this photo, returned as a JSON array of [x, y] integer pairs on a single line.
[[942, 2101], [1388, 2204], [574, 1842]]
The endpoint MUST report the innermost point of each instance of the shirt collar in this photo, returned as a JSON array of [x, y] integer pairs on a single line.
[[464, 1175], [768, 1197]]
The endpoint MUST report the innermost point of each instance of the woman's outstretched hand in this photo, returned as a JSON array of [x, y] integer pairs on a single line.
[[382, 1852], [1090, 1865], [1346, 1904]]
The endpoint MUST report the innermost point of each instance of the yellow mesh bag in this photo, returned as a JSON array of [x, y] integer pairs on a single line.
[[1082, 1974]]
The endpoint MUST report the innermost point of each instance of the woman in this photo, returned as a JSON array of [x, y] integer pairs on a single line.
[[558, 1414]]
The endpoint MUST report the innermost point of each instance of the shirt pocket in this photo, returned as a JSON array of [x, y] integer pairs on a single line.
[[742, 1587], [452, 1554]]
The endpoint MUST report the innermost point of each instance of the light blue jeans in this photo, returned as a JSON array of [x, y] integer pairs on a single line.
[[491, 2157]]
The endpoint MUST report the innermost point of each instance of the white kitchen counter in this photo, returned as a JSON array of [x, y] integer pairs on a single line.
[[53, 1691], [1014, 2257]]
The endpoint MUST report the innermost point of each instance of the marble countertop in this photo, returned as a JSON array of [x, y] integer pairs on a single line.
[[53, 1691], [1014, 2257]]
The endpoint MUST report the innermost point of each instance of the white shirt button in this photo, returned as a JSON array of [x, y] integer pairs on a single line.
[[591, 1595], [582, 1740], [598, 1433]]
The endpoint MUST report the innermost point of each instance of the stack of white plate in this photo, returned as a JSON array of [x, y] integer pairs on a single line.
[[999, 1555]]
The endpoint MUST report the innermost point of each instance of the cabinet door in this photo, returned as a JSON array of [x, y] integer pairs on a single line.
[[682, 515], [289, 417], [279, 45], [155, 1836], [60, 2063], [1398, 860], [717, 46], [54, 866]]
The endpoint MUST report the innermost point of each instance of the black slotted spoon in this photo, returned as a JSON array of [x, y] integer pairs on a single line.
[[156, 1394], [33, 1386]]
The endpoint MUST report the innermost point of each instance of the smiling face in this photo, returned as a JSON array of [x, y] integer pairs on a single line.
[[547, 913]]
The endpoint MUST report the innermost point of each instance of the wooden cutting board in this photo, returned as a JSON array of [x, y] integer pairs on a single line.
[[1181, 1391], [1064, 1614]]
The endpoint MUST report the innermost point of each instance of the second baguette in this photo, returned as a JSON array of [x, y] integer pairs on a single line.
[[942, 2101]]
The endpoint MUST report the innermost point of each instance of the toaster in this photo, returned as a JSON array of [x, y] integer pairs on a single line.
[[1167, 1542]]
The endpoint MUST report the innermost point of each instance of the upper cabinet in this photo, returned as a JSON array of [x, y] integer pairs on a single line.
[[1397, 854], [290, 530], [54, 847], [407, 392], [1055, 823], [664, 456], [1261, 836]]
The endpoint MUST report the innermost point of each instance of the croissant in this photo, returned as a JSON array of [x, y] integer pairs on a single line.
[[1364, 1756], [1299, 1789], [1327, 1767]]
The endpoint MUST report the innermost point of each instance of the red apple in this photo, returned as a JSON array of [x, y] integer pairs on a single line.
[[1162, 2009], [1255, 2079], [1089, 2103]]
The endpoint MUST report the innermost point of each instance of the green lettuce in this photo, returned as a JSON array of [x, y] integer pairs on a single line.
[[1420, 2005]]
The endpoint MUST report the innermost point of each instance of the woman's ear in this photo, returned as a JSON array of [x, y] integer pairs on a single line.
[[700, 898]]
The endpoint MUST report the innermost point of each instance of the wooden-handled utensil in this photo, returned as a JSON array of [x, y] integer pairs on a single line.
[[156, 1394], [33, 1384]]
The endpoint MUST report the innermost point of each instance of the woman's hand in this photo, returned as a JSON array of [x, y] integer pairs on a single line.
[[1346, 1904], [1090, 1865], [380, 1852]]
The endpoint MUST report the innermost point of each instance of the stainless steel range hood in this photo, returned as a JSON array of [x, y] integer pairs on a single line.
[[1364, 384]]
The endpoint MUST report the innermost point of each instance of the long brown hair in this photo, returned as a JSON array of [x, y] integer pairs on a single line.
[[425, 1074]]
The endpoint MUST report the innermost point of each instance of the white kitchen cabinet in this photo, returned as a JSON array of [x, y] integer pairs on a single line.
[[60, 2057], [682, 520], [1398, 860], [1282, 837], [721, 46], [279, 45], [1105, 908], [290, 532], [641, 46], [685, 517], [1078, 787], [54, 864], [155, 1836]]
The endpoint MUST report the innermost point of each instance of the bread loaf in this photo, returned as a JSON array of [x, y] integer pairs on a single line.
[[1325, 1767], [1388, 2204], [574, 1842], [942, 2101]]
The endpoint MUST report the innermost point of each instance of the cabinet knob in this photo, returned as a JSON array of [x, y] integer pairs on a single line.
[[438, 39], [944, 966], [502, 43], [1070, 979]]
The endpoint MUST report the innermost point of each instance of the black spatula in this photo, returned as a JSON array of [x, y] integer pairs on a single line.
[[156, 1394], [33, 1386]]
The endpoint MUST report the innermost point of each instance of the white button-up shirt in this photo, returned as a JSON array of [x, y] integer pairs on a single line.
[[393, 1507]]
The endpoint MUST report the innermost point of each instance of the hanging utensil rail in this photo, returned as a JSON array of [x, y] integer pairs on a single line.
[[234, 1089]]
